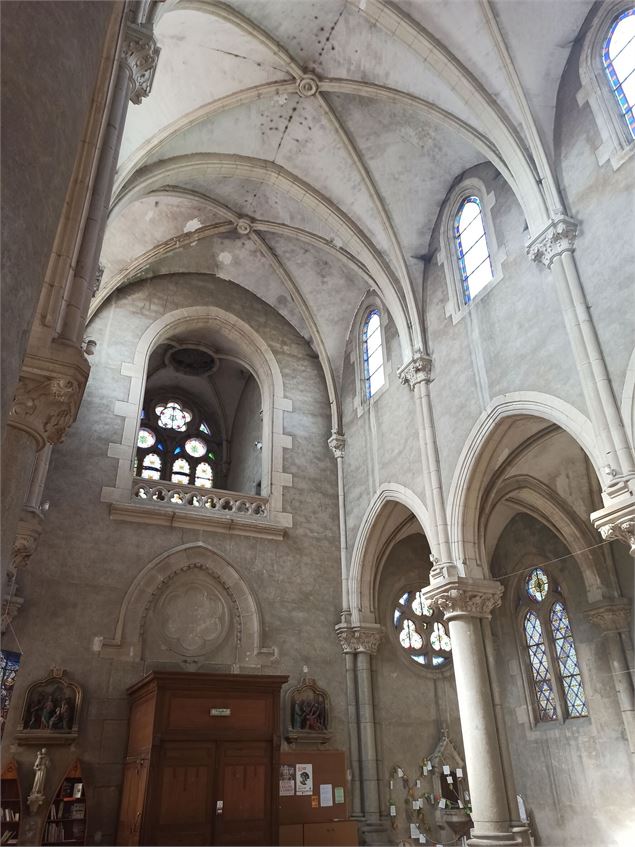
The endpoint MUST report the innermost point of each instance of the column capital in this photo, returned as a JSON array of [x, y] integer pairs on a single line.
[[418, 369], [26, 539], [616, 521], [337, 444], [139, 56], [461, 597], [359, 639], [558, 237], [612, 615], [48, 394]]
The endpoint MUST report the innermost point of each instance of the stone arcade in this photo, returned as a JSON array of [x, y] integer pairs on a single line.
[[318, 411]]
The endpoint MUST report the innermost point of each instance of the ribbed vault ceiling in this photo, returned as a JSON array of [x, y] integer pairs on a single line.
[[340, 189]]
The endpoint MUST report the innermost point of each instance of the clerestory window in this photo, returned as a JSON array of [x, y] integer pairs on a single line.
[[475, 266], [372, 353], [175, 444], [618, 56], [556, 682]]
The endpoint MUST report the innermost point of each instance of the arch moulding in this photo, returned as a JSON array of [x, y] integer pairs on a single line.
[[255, 354], [465, 493], [128, 637], [365, 558]]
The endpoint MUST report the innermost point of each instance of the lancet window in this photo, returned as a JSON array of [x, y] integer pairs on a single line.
[[470, 240], [618, 56], [557, 690], [372, 353]]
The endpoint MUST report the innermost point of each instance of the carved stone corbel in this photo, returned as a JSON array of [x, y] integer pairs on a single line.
[[26, 539], [11, 605], [337, 444], [48, 396], [418, 369], [612, 616], [139, 56], [360, 639], [558, 237], [616, 521]]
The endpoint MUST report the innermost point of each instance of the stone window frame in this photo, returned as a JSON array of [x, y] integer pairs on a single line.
[[456, 307], [445, 670], [267, 373], [371, 302], [522, 606], [617, 145]]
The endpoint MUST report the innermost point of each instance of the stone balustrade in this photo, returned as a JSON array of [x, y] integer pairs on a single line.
[[193, 497]]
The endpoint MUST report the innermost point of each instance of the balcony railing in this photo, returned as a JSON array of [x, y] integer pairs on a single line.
[[203, 500]]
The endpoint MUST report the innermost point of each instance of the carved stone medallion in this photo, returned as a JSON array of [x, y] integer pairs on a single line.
[[192, 617]]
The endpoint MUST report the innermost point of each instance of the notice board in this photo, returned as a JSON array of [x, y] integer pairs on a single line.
[[328, 769]]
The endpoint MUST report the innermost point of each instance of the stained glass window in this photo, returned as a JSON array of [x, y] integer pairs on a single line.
[[196, 447], [181, 471], [420, 630], [372, 353], [471, 247], [543, 686], [9, 664], [146, 438], [204, 475], [537, 584], [151, 467], [619, 61], [204, 428], [173, 416], [567, 661]]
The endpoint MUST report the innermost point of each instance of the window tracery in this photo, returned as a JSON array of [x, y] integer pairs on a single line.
[[556, 681], [421, 631], [372, 353], [175, 444]]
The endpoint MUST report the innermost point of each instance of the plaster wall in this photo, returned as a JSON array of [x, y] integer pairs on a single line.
[[561, 769], [85, 561], [246, 466], [39, 148]]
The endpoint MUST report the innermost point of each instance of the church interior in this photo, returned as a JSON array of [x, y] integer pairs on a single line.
[[318, 422]]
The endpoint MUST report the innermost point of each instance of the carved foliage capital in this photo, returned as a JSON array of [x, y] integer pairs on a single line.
[[611, 617], [557, 238], [337, 444], [418, 369], [623, 531], [139, 55], [462, 597], [359, 639], [45, 405], [26, 539]]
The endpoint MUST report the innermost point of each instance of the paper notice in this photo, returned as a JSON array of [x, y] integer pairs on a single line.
[[315, 802], [446, 769], [304, 779], [339, 794], [459, 773], [450, 779], [393, 811], [442, 803], [326, 795]]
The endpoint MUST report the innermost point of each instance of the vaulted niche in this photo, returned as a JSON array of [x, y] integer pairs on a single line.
[[201, 420]]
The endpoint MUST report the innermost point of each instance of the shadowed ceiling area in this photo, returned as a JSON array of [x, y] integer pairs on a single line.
[[304, 149]]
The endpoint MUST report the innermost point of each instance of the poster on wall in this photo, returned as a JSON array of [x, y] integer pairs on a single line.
[[287, 781], [304, 779]]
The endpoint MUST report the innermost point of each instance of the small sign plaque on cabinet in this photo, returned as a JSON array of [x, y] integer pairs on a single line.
[[220, 713]]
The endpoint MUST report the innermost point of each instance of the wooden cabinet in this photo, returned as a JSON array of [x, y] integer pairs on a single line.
[[203, 760]]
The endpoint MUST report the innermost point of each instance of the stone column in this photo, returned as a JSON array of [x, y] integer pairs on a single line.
[[464, 602], [134, 81], [613, 618], [363, 641], [348, 642], [417, 374], [337, 443]]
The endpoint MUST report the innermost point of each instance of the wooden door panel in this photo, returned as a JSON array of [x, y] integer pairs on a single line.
[[184, 786], [135, 779], [244, 786]]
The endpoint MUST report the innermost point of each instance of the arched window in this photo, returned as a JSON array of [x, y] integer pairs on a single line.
[[552, 660], [421, 631], [176, 444], [372, 353], [473, 256], [618, 56]]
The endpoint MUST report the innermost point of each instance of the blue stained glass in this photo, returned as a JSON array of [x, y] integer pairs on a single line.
[[178, 450], [204, 428], [539, 668], [568, 661], [619, 61], [537, 584], [9, 664], [160, 446]]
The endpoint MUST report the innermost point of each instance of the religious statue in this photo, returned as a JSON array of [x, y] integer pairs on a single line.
[[51, 706], [41, 766]]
